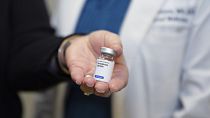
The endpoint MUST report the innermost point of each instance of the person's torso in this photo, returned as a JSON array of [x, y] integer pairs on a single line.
[[154, 41]]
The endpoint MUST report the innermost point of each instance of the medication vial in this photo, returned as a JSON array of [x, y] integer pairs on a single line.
[[105, 65]]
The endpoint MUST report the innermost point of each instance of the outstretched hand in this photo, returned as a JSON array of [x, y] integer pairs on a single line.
[[81, 58]]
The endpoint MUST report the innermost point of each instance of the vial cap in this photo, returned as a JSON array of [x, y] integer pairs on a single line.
[[108, 51]]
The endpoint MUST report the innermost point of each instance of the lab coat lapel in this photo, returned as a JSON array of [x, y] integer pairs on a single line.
[[138, 20]]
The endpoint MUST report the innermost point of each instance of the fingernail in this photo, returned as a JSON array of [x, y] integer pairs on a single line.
[[89, 84], [78, 82], [87, 94], [100, 91]]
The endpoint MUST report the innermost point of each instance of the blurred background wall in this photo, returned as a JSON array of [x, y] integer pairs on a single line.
[[44, 104]]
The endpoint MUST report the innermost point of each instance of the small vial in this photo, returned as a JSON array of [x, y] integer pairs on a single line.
[[105, 65]]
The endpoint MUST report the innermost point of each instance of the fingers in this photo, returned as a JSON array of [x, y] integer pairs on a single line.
[[89, 81], [117, 84], [119, 78], [88, 84], [101, 87], [77, 75], [106, 94], [103, 38], [98, 88], [91, 86], [104, 89]]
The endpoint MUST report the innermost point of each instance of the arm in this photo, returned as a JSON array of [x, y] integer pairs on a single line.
[[34, 47], [195, 87]]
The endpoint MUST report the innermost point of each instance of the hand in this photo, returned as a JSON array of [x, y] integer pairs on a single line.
[[81, 58]]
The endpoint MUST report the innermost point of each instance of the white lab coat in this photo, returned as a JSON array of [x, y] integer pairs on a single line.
[[167, 49]]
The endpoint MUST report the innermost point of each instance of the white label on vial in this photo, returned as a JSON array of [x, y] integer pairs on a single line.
[[104, 70]]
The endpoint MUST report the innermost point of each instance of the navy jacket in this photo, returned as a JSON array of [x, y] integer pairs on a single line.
[[27, 47]]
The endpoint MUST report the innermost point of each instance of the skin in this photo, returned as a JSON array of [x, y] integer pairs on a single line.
[[81, 58]]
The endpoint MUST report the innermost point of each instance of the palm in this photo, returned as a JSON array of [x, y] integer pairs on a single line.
[[82, 59]]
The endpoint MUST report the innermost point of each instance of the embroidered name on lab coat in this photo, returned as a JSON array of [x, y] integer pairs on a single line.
[[177, 14]]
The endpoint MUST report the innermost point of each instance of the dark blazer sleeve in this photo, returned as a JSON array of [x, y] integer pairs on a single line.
[[34, 47]]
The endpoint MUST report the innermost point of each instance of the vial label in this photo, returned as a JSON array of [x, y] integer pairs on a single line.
[[104, 70]]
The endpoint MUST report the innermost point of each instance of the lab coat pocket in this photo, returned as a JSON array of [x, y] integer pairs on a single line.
[[163, 50], [168, 35]]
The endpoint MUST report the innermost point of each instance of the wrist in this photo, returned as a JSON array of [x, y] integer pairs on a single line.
[[62, 52]]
